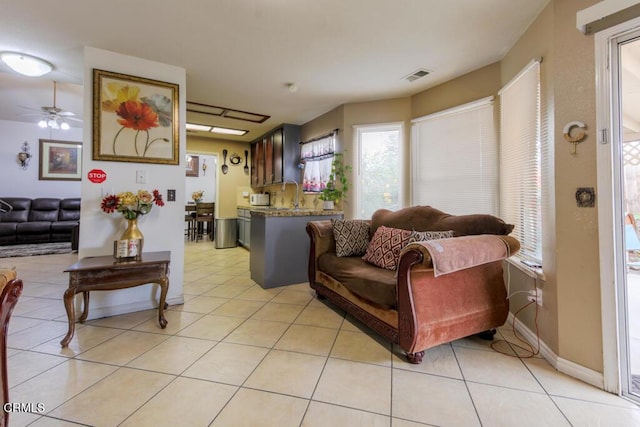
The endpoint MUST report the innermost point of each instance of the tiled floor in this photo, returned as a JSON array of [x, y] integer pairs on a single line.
[[237, 355]]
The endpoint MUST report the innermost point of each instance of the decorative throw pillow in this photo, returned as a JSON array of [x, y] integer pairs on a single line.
[[423, 236], [385, 246], [351, 235]]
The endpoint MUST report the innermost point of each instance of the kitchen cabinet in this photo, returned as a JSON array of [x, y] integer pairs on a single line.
[[275, 156], [244, 227]]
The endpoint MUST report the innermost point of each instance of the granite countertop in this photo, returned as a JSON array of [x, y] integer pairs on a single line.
[[273, 211]]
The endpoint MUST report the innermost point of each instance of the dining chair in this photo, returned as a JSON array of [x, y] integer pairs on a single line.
[[190, 222], [204, 220]]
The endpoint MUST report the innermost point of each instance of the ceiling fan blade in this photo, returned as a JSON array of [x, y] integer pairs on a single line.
[[30, 108], [66, 113], [73, 118]]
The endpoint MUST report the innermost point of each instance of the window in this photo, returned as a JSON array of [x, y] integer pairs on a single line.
[[379, 168], [455, 159], [317, 155], [521, 160]]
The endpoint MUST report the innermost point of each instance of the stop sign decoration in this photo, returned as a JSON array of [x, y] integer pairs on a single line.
[[97, 176]]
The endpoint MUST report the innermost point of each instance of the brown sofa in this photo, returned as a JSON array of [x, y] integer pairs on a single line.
[[415, 306]]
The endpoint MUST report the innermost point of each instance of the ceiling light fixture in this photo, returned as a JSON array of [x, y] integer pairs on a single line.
[[54, 123], [26, 64], [228, 131], [194, 126]]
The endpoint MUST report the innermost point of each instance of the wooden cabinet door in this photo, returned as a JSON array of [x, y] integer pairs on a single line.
[[268, 160], [277, 141], [257, 164]]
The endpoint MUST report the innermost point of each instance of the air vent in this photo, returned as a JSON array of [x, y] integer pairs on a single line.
[[416, 75]]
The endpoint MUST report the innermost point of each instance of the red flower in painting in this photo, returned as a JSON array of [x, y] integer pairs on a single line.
[[137, 115], [110, 204]]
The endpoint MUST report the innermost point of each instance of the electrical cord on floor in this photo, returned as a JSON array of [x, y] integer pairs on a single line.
[[530, 351]]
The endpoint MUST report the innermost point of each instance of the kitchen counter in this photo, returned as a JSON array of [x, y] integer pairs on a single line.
[[280, 244]]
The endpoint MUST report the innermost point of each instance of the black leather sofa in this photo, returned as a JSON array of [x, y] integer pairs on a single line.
[[39, 220]]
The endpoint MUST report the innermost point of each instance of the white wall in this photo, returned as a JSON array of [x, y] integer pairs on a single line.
[[15, 182], [204, 181], [162, 227]]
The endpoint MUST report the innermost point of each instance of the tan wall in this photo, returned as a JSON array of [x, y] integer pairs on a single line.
[[230, 185]]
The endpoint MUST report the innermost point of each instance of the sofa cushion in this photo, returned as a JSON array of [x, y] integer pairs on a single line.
[[426, 218], [351, 236], [45, 209], [20, 211], [69, 210], [385, 246], [373, 284]]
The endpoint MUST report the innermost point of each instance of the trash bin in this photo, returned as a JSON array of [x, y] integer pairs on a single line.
[[226, 233]]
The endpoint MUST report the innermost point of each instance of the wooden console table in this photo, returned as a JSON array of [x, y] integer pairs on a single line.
[[104, 273]]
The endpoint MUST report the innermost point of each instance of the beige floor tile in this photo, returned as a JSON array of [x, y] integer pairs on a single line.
[[289, 373], [196, 288], [240, 281], [238, 308], [22, 419], [262, 333], [583, 413], [397, 422], [125, 321], [294, 296], [521, 408], [227, 291], [201, 304], [211, 327], [28, 364], [308, 339], [432, 400], [173, 355], [360, 347], [354, 325], [256, 293], [356, 385], [113, 399], [176, 321], [28, 305], [32, 337], [558, 384], [267, 410], [84, 338], [61, 383], [184, 402], [474, 342], [438, 360], [321, 414], [123, 348], [489, 367], [227, 363], [19, 323], [278, 312], [320, 316]]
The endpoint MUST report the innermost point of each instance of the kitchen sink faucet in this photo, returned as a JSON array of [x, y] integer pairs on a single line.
[[295, 203]]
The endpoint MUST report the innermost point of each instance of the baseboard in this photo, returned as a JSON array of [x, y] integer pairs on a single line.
[[565, 366], [100, 312]]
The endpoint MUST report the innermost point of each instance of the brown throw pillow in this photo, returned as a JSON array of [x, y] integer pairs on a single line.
[[423, 236], [351, 235], [385, 246]]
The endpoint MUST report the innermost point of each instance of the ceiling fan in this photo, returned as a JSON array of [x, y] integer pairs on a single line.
[[53, 117]]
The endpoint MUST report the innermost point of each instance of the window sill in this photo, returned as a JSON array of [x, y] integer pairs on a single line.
[[536, 273]]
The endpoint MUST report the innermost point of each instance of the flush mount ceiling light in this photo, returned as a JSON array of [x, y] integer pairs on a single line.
[[194, 126], [25, 64], [228, 131]]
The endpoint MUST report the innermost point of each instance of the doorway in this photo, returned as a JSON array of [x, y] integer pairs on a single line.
[[618, 108]]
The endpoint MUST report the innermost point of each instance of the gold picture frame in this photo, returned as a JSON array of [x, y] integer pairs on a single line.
[[60, 160], [134, 119]]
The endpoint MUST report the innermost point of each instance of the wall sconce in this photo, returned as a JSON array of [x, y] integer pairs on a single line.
[[23, 156]]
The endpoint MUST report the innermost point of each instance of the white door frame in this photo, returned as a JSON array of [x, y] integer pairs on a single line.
[[610, 205]]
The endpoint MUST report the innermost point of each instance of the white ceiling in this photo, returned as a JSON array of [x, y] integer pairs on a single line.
[[241, 54]]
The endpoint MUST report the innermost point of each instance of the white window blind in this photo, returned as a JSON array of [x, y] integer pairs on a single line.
[[455, 159], [521, 160]]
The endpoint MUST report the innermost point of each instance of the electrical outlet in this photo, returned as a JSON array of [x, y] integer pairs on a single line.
[[535, 296]]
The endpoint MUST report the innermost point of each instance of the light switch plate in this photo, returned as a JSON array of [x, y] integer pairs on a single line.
[[171, 195], [141, 177]]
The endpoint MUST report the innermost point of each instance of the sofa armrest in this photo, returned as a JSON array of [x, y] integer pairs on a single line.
[[321, 241]]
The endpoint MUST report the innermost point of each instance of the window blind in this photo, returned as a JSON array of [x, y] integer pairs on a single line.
[[521, 160], [455, 159]]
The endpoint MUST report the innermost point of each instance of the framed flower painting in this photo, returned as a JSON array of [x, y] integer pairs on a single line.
[[134, 119], [60, 160]]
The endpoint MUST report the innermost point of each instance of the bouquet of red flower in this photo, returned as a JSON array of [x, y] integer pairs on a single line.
[[131, 205]]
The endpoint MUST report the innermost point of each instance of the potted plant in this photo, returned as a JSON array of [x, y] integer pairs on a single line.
[[338, 183]]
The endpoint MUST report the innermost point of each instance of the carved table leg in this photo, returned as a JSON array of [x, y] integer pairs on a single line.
[[69, 295], [415, 358], [85, 308], [164, 288]]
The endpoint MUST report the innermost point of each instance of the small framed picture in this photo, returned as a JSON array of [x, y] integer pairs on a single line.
[[193, 163], [60, 160]]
